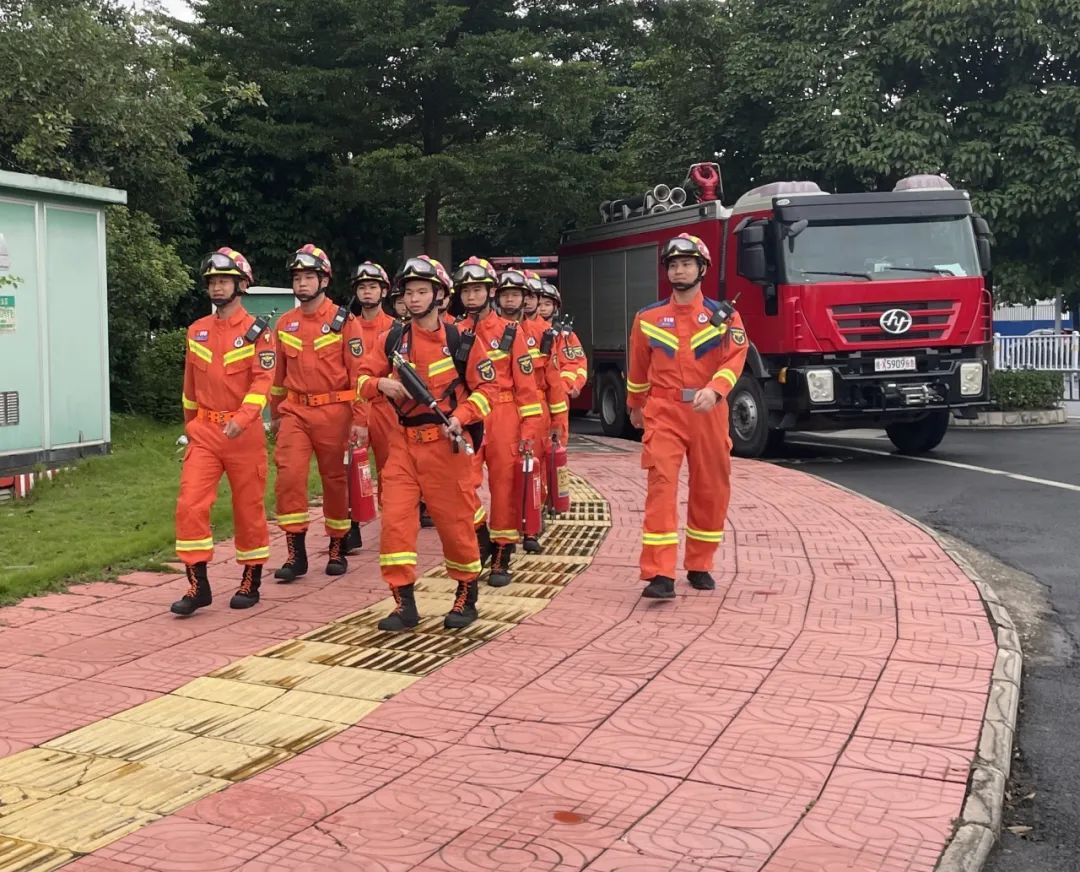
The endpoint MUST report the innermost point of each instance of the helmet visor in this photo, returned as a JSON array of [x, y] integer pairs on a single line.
[[369, 272], [304, 260], [682, 247], [472, 272], [220, 264], [417, 268]]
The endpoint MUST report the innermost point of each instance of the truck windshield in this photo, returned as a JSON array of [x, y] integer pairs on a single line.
[[880, 249]]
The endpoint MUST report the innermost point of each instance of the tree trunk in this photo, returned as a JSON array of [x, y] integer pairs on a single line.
[[431, 222]]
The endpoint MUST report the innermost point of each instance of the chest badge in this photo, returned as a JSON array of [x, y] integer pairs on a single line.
[[702, 318], [325, 328], [494, 343], [238, 342], [202, 335], [530, 342]]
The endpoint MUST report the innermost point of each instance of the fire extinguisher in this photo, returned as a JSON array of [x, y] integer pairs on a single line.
[[528, 496], [558, 478], [361, 492]]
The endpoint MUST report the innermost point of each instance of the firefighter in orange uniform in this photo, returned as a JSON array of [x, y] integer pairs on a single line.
[[228, 371], [542, 340], [370, 285], [686, 353], [423, 464], [311, 411], [516, 413]]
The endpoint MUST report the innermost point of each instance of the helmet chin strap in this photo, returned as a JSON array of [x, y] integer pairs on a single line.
[[370, 306], [235, 293], [686, 286]]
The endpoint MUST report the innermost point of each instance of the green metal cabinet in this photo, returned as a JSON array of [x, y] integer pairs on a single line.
[[54, 376]]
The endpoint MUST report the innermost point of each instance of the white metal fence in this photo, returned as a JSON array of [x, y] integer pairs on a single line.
[[1054, 352]]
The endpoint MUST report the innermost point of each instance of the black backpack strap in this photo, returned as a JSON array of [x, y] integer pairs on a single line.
[[393, 338], [453, 342]]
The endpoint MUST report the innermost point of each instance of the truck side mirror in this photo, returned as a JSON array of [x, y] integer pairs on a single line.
[[983, 239], [753, 264]]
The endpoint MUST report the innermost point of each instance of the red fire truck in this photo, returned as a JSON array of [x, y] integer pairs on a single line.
[[863, 310]]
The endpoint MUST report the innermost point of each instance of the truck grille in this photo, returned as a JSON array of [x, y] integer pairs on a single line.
[[859, 322]]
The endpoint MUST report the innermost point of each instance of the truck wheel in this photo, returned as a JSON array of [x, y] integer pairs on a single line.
[[748, 419], [612, 403], [916, 437]]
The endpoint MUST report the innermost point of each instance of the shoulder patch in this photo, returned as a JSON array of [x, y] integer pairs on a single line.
[[525, 364], [356, 347], [486, 369], [738, 335], [267, 359]]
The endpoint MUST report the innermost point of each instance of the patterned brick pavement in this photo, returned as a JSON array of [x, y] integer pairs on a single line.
[[819, 711]]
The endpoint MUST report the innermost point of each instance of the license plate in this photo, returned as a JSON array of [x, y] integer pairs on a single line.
[[894, 364]]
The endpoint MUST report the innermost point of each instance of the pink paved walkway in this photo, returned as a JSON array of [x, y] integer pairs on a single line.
[[819, 711]]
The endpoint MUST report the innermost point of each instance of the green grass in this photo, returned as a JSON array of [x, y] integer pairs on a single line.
[[110, 515]]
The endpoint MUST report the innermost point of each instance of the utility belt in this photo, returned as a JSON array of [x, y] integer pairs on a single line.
[[214, 417], [425, 433], [315, 400], [418, 428], [675, 395]]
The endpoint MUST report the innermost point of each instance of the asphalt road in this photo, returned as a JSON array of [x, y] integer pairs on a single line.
[[1013, 495]]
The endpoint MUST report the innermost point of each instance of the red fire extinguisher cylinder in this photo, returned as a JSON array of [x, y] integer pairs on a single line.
[[361, 491], [528, 494], [559, 478]]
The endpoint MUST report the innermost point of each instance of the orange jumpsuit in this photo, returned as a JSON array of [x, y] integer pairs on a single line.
[[674, 348], [423, 465], [382, 422], [312, 395], [226, 379], [573, 367], [516, 414]]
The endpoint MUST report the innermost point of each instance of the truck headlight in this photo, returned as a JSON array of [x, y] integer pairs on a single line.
[[819, 382], [971, 379]]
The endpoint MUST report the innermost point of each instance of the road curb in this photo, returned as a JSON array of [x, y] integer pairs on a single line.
[[980, 821], [1036, 418], [979, 824]]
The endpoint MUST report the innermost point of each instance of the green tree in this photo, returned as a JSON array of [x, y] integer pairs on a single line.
[[93, 93], [384, 118], [146, 280]]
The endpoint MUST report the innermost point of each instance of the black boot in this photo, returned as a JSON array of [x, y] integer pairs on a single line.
[[700, 580], [296, 564], [483, 542], [500, 565], [353, 540], [336, 564], [248, 593], [530, 546], [661, 587], [404, 616], [198, 593], [463, 612], [425, 518]]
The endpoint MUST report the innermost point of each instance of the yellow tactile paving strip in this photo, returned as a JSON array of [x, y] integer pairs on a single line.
[[92, 786]]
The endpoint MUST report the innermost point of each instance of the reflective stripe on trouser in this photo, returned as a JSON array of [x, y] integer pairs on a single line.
[[324, 432], [673, 430], [383, 431], [444, 481], [502, 433], [209, 455]]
